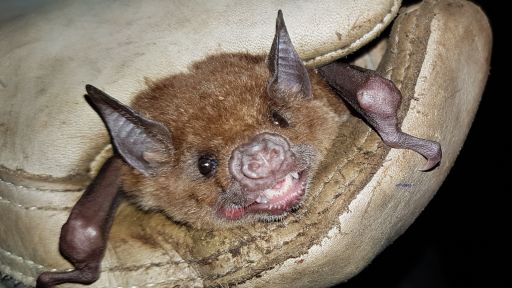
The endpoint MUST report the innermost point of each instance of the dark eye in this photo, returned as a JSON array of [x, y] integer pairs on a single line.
[[278, 119], [207, 164]]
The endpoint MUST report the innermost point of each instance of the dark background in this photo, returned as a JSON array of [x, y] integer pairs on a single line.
[[459, 239]]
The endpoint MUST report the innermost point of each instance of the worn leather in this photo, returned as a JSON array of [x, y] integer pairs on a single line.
[[51, 142]]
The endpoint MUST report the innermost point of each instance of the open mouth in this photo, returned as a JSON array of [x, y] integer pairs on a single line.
[[284, 195]]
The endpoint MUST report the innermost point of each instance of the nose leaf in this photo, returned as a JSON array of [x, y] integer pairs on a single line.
[[262, 159], [257, 164]]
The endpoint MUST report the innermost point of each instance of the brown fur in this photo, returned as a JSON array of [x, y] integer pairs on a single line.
[[219, 104]]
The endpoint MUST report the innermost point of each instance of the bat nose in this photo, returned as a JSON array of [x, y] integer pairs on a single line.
[[263, 157]]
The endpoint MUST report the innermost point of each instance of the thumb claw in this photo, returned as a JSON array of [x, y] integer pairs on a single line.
[[431, 163], [434, 160], [429, 149]]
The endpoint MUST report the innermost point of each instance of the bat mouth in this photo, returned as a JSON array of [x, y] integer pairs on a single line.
[[284, 195]]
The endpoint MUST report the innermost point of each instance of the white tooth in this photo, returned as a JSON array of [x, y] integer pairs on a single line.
[[295, 175], [262, 199], [288, 182], [268, 193]]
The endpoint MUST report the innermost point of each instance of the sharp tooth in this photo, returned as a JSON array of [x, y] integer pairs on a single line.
[[269, 193], [295, 175], [262, 199]]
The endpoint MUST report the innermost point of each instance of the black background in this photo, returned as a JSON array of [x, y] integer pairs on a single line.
[[459, 239]]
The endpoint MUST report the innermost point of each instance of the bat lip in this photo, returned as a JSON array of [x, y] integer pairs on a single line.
[[286, 195], [281, 202]]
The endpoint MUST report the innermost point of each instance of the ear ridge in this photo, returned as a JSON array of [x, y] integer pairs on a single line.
[[288, 73], [133, 136]]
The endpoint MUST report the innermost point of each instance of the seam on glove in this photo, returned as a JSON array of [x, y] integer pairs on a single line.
[[29, 279], [44, 208], [16, 185], [18, 276], [408, 50], [16, 188], [359, 42], [21, 259]]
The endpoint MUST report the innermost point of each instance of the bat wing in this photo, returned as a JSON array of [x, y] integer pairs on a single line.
[[377, 99], [83, 237]]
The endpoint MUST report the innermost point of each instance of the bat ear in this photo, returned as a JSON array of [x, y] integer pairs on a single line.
[[143, 143], [288, 76]]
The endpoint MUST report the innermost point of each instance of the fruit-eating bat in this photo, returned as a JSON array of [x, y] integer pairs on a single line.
[[235, 139]]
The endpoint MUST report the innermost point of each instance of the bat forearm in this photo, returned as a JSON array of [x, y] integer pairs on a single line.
[[96, 202], [377, 99], [84, 236]]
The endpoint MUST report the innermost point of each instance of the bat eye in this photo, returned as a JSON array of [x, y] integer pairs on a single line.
[[278, 119], [207, 164]]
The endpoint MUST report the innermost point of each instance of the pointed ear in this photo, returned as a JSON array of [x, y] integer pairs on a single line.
[[143, 143], [287, 73]]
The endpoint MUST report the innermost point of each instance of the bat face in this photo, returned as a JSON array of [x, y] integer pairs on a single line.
[[239, 153]]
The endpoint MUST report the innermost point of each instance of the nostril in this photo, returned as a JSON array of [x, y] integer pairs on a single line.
[[263, 161], [274, 153], [254, 166]]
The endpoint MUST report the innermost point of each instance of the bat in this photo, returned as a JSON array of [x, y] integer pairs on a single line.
[[235, 139]]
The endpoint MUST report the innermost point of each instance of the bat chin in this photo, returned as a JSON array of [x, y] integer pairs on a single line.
[[273, 203]]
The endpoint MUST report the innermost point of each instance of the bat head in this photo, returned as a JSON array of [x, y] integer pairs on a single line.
[[235, 139]]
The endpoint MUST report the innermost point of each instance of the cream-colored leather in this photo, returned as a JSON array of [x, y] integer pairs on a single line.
[[365, 195]]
